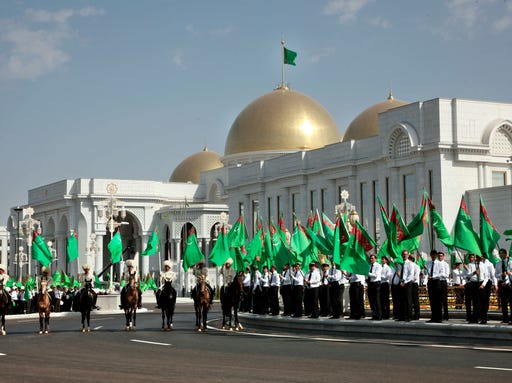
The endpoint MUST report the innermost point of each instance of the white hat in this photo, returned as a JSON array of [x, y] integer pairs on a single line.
[[130, 263], [167, 263], [3, 267], [22, 287], [229, 260], [86, 266], [45, 269]]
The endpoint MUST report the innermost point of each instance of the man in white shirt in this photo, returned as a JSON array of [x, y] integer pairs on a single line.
[[414, 288], [356, 295], [406, 283], [286, 290], [386, 276], [274, 291], [503, 276], [336, 289], [297, 289], [434, 288], [476, 277], [486, 295], [312, 282], [374, 284], [323, 295], [245, 306], [443, 280]]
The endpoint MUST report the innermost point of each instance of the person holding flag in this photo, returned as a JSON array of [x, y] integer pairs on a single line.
[[85, 278], [443, 281], [228, 274], [45, 276], [166, 276], [4, 278], [385, 280], [129, 273], [503, 276], [201, 274]]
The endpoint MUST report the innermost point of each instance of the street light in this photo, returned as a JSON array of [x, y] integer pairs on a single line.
[[29, 224], [17, 246], [347, 208], [20, 260], [92, 250], [111, 209]]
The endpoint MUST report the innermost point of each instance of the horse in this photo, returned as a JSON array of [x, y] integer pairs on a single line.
[[85, 304], [43, 307], [201, 305], [166, 299], [4, 306], [131, 301], [230, 303]]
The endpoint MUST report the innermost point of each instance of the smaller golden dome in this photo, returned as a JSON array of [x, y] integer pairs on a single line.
[[191, 167], [366, 124]]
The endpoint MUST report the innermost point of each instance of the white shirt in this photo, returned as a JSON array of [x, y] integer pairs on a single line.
[[247, 280], [458, 277], [499, 270], [444, 271], [314, 278], [297, 278], [434, 273], [470, 272], [357, 278], [408, 275], [491, 271], [375, 273], [397, 274], [416, 275], [274, 278], [265, 279], [335, 275], [285, 278], [386, 274], [257, 278]]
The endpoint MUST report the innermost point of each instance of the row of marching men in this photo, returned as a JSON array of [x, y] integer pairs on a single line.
[[320, 291]]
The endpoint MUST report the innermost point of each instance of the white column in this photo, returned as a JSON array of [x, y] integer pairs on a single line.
[[144, 259], [98, 262], [181, 273], [61, 252]]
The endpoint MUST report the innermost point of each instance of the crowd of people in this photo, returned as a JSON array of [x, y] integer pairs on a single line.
[[392, 289]]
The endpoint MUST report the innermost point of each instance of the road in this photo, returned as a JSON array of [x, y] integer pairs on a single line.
[[110, 354]]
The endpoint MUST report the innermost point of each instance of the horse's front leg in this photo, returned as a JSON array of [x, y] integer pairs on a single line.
[[41, 324], [127, 317], [3, 324], [205, 317], [47, 323], [134, 318], [163, 318], [88, 320], [83, 321]]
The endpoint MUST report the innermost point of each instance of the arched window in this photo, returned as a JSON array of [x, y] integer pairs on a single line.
[[399, 144], [501, 143]]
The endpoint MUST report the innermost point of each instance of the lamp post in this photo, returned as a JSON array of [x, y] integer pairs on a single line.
[[17, 246], [29, 224], [347, 208], [20, 260], [112, 209], [92, 250], [53, 251]]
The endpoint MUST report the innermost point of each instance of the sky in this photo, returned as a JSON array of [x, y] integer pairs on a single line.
[[128, 89]]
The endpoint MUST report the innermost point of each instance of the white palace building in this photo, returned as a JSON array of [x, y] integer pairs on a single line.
[[284, 153]]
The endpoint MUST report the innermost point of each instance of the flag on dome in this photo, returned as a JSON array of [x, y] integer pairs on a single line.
[[72, 247], [289, 56]]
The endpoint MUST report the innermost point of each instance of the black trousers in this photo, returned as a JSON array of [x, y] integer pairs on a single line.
[[298, 295], [434, 296], [415, 296], [384, 300], [286, 294], [397, 294], [356, 295], [444, 298], [472, 298], [484, 301], [273, 299], [324, 299], [505, 294], [374, 299], [336, 298], [246, 304]]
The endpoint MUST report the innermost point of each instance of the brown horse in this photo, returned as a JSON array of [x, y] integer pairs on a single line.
[[201, 305], [43, 307], [4, 305], [131, 301], [230, 303], [86, 303]]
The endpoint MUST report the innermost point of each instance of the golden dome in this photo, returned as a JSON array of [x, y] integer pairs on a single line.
[[367, 123], [189, 169], [281, 120]]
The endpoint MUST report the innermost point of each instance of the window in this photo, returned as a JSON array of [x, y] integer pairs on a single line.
[[241, 210], [499, 178], [278, 201], [255, 213], [323, 198], [376, 211], [409, 197], [501, 144], [269, 209], [295, 204], [399, 144], [312, 199], [363, 203]]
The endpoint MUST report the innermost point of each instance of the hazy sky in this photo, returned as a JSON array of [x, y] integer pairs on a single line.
[[128, 89]]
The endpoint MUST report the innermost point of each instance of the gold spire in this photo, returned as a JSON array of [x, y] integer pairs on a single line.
[[390, 96]]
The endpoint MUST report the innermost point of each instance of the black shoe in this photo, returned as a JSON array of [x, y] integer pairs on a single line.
[[483, 322], [121, 307], [96, 307], [433, 321]]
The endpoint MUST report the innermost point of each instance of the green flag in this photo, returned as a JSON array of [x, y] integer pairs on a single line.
[[40, 250], [237, 255], [97, 282], [289, 56], [489, 235], [57, 278], [192, 253], [150, 283], [282, 255], [464, 236], [300, 241], [418, 223], [153, 245], [220, 252], [66, 281], [237, 236], [115, 247], [384, 216], [439, 227], [341, 238], [72, 247], [354, 260], [255, 247]]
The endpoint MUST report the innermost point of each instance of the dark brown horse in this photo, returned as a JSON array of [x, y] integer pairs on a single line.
[[4, 305], [201, 305], [86, 303], [131, 301], [43, 308], [230, 303], [166, 299]]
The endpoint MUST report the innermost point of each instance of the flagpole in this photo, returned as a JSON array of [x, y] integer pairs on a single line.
[[282, 61]]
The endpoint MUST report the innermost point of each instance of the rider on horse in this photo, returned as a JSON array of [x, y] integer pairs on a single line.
[[45, 276], [201, 274], [85, 278], [167, 276], [228, 274], [4, 278], [131, 272]]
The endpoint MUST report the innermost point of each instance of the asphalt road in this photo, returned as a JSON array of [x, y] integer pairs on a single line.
[[110, 354]]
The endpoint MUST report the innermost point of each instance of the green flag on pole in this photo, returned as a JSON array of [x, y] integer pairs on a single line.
[[57, 278], [192, 253], [72, 247], [220, 252], [489, 235], [40, 250], [115, 247], [153, 245], [464, 236], [237, 236], [442, 232], [289, 56], [354, 260]]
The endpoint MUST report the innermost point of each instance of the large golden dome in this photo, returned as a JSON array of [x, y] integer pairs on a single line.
[[366, 124], [190, 168], [281, 120]]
